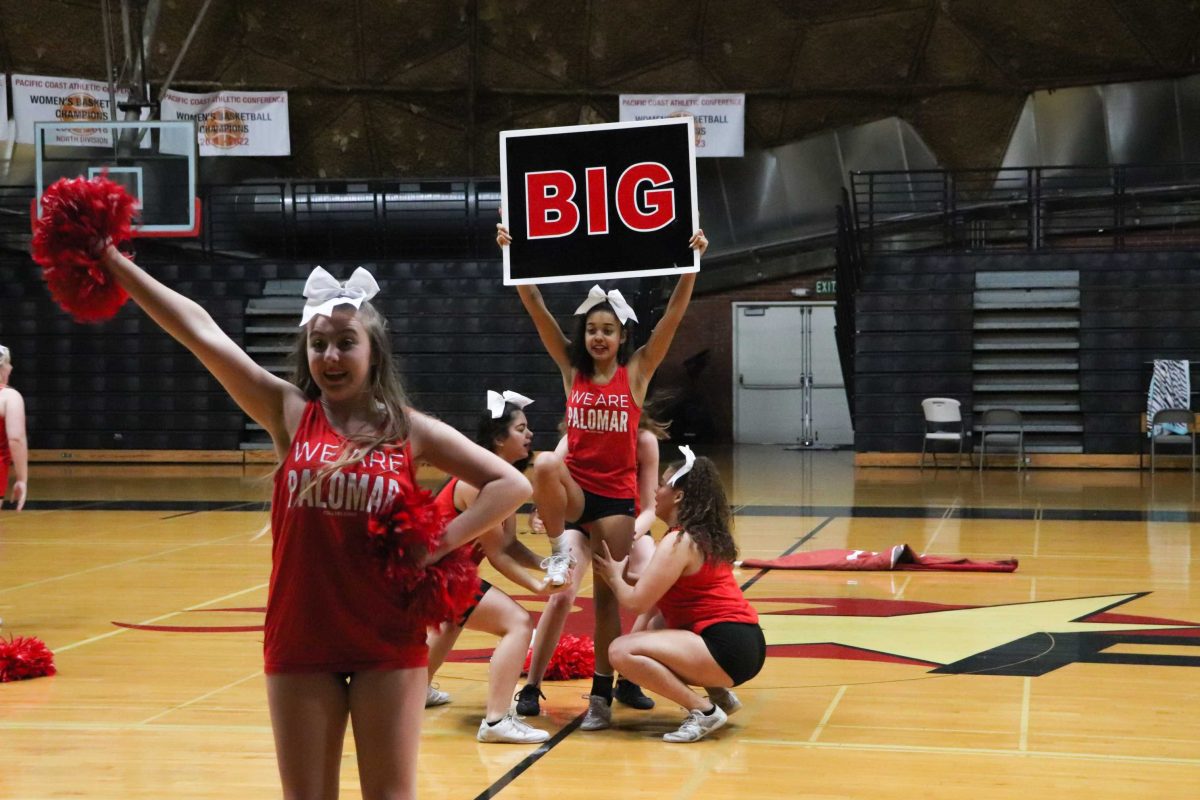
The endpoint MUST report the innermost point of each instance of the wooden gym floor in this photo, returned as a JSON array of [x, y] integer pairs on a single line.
[[1070, 678]]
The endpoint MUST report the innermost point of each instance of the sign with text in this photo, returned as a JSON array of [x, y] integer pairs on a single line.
[[587, 202], [234, 123], [41, 98], [719, 119]]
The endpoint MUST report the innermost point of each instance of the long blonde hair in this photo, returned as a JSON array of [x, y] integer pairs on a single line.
[[385, 388]]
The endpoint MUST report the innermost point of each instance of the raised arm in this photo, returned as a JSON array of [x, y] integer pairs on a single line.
[[18, 446], [647, 478], [672, 556], [547, 326], [501, 488], [647, 358], [269, 400]]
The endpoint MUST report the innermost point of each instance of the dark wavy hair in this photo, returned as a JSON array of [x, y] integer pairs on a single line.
[[704, 511], [654, 408], [490, 431], [577, 352]]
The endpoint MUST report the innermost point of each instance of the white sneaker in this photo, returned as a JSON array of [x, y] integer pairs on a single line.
[[697, 726], [725, 699], [598, 716], [510, 730], [436, 697], [558, 567]]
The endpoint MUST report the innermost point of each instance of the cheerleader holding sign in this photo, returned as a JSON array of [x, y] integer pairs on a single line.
[[594, 486]]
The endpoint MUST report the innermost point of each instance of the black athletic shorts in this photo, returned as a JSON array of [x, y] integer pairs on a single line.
[[738, 648], [597, 506], [466, 615]]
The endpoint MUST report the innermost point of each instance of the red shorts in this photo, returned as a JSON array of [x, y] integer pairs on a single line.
[[3, 479]]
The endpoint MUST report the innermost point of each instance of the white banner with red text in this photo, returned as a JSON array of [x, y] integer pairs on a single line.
[[234, 123], [43, 98], [719, 119]]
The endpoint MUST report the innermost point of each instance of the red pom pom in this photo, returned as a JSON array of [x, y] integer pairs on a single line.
[[78, 216], [25, 657], [400, 538], [575, 657]]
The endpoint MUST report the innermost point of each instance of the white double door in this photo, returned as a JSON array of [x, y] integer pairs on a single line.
[[788, 386]]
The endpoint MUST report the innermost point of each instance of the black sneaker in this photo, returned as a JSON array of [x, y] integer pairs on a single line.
[[527, 700], [630, 694]]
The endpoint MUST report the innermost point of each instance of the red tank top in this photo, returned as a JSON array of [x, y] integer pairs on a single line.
[[329, 606], [602, 429], [5, 454], [445, 504], [712, 595]]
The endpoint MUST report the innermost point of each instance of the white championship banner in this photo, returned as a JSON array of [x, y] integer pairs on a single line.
[[41, 98], [720, 119], [234, 123]]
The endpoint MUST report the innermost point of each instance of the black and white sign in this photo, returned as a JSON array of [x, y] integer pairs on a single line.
[[589, 202]]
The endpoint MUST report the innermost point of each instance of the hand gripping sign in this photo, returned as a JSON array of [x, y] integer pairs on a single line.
[[588, 202]]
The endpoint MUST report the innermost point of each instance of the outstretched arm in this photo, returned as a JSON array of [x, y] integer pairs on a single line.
[[547, 326], [517, 551], [499, 556], [269, 400], [647, 358], [18, 447]]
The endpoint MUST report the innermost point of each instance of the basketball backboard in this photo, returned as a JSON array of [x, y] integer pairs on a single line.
[[154, 160]]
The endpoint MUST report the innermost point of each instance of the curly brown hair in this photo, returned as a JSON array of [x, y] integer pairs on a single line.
[[704, 511]]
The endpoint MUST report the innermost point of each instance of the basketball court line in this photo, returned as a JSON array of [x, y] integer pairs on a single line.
[[953, 511], [160, 618], [126, 562], [973, 751], [802, 540], [828, 715], [205, 696], [147, 505], [1026, 694], [950, 512]]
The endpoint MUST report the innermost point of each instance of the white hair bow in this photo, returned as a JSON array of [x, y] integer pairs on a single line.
[[596, 296], [323, 292], [689, 460], [496, 401]]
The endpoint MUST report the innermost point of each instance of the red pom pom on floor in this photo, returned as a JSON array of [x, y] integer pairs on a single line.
[[78, 215], [25, 657], [575, 657]]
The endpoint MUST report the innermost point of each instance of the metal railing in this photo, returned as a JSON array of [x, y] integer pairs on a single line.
[[450, 218], [848, 271], [1122, 207]]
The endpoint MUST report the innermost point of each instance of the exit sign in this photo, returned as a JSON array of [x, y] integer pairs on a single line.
[[827, 286]]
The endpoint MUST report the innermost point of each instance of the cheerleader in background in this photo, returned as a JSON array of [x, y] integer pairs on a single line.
[[14, 447], [711, 636], [554, 617], [595, 485], [504, 430]]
